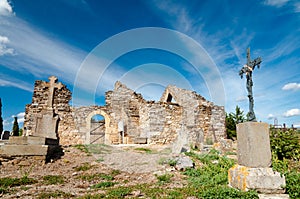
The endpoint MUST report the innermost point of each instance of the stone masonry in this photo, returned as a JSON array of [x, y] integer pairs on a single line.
[[178, 111]]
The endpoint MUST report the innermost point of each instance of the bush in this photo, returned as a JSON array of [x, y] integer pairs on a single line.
[[285, 144]]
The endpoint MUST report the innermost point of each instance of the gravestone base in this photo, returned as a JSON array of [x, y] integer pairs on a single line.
[[26, 146], [263, 180]]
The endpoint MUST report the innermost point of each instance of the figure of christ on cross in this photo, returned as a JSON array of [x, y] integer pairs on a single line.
[[248, 69]]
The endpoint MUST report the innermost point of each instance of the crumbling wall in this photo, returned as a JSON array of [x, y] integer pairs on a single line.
[[123, 105], [61, 107], [198, 113], [159, 122], [179, 111]]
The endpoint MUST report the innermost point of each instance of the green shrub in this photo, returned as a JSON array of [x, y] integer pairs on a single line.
[[293, 184], [285, 144]]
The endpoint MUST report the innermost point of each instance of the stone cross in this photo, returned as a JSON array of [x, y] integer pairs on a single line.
[[52, 84], [248, 69]]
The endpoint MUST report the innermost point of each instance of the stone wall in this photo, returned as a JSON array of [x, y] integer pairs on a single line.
[[198, 113], [66, 129], [179, 111]]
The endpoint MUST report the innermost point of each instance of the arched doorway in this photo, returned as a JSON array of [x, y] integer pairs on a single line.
[[97, 125]]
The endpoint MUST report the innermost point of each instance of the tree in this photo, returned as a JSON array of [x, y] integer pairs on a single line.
[[231, 120], [1, 120], [16, 127]]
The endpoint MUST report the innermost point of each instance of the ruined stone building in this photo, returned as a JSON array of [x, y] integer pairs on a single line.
[[128, 118]]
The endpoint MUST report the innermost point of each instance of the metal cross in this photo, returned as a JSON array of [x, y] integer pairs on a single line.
[[248, 69]]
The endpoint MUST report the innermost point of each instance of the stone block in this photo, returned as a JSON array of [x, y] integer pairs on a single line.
[[31, 140], [253, 143], [140, 140], [263, 180], [22, 150]]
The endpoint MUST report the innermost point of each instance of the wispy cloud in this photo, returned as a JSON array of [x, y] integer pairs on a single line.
[[36, 53], [297, 7], [292, 112], [12, 82], [276, 3], [5, 8], [291, 86]]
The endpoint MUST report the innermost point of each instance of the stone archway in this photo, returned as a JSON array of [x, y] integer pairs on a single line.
[[88, 125]]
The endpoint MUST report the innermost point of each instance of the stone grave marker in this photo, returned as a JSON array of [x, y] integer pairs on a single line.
[[253, 171], [5, 135]]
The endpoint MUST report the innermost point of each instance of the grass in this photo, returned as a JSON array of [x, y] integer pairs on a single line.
[[7, 183], [170, 162], [148, 151], [54, 194], [84, 167], [103, 185], [90, 149], [53, 179], [165, 178], [98, 176]]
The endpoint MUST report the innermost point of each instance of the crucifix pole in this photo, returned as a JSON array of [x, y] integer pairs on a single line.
[[248, 69]]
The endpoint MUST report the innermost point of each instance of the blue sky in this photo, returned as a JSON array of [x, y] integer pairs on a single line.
[[199, 45]]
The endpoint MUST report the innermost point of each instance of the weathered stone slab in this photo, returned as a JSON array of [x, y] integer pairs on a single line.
[[263, 180], [47, 125], [254, 144], [31, 140], [184, 162], [23, 150]]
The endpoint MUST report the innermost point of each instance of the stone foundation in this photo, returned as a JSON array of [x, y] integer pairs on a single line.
[[263, 180]]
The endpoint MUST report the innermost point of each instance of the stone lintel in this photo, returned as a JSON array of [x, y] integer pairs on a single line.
[[253, 143], [263, 180]]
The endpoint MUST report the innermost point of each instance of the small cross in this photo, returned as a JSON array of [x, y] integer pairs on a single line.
[[52, 85]]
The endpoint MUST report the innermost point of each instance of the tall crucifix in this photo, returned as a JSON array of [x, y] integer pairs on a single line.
[[248, 69]]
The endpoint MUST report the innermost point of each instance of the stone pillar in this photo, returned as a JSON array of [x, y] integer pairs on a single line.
[[254, 160], [253, 144]]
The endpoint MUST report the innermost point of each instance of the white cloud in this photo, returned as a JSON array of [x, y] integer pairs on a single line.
[[292, 112], [3, 46], [20, 117], [5, 8], [271, 116], [276, 3], [291, 86]]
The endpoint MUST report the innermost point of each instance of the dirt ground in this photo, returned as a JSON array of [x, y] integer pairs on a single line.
[[131, 165]]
